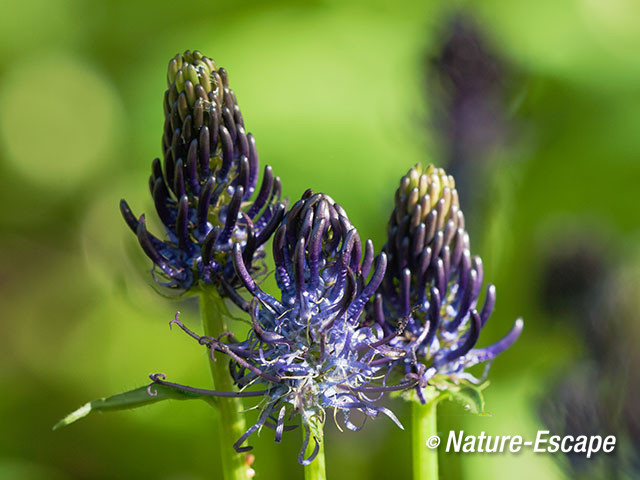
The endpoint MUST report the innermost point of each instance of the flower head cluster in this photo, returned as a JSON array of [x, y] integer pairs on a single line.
[[308, 347], [432, 284], [347, 325], [204, 188]]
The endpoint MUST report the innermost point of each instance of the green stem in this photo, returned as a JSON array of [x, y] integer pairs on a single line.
[[231, 420], [425, 459], [317, 469]]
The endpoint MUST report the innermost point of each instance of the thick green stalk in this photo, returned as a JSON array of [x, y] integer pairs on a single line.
[[317, 469], [231, 420], [425, 459]]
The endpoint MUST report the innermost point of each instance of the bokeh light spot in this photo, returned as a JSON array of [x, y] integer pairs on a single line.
[[59, 119]]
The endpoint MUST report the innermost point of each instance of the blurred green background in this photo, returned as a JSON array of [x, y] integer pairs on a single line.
[[337, 95]]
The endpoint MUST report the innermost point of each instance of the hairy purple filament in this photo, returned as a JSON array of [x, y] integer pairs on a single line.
[[204, 190]]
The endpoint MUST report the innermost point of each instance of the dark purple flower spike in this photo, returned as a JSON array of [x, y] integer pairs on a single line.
[[204, 190], [309, 348], [432, 284], [468, 87]]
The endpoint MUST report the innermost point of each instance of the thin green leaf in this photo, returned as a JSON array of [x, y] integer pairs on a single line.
[[470, 397], [131, 399]]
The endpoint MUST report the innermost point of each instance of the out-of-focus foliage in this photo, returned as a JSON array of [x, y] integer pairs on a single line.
[[333, 91]]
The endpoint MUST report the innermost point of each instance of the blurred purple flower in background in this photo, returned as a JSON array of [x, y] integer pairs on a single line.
[[466, 87], [468, 80], [597, 394]]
